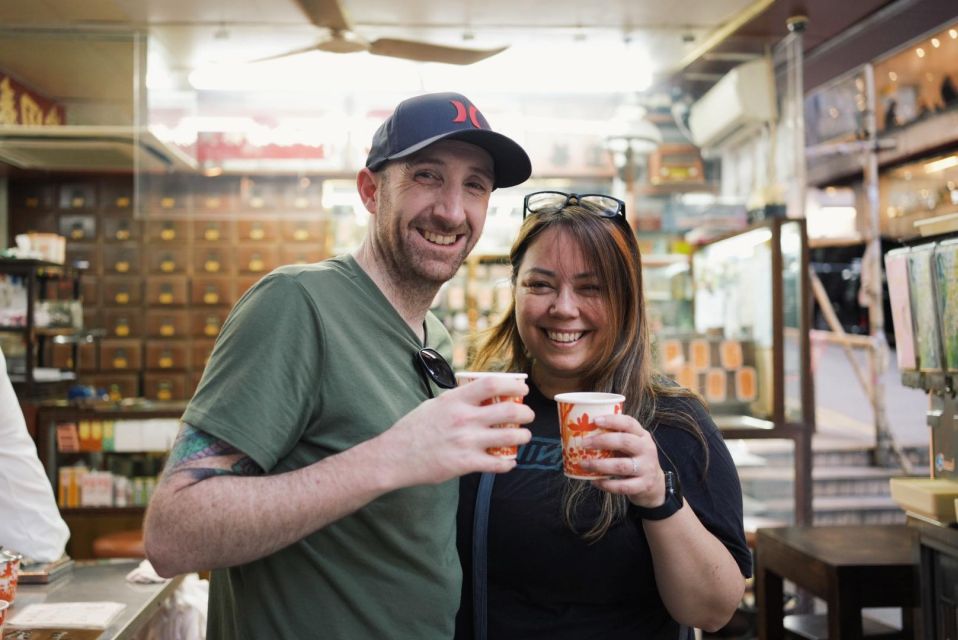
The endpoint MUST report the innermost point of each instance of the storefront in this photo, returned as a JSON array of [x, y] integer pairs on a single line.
[[139, 229]]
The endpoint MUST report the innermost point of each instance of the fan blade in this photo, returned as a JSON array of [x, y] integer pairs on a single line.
[[312, 47], [325, 13], [425, 52]]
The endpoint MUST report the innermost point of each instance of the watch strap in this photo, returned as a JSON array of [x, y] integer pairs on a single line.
[[673, 502]]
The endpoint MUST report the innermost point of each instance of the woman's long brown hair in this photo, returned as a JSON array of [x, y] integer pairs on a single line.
[[623, 364]]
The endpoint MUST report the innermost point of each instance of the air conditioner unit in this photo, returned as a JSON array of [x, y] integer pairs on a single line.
[[732, 110]]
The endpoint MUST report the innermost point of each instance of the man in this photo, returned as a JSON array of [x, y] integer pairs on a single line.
[[313, 472], [30, 522]]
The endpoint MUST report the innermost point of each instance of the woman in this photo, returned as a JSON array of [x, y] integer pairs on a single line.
[[616, 558]]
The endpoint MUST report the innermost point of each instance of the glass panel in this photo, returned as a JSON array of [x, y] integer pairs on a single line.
[[792, 311], [733, 324]]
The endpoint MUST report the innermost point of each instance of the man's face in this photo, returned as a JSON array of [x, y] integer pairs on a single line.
[[431, 208]]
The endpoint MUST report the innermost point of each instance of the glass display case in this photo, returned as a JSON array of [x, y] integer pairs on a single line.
[[749, 352]]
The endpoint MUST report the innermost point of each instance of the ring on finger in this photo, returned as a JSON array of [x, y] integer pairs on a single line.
[[635, 466]]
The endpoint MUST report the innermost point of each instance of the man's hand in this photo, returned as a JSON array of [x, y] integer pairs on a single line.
[[447, 437]]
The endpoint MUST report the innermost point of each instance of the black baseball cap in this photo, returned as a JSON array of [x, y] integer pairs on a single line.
[[420, 121]]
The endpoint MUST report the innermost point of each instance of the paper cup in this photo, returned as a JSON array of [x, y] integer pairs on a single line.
[[465, 377], [577, 412], [3, 613], [9, 573]]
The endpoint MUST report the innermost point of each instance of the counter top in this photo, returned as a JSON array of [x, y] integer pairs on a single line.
[[102, 580]]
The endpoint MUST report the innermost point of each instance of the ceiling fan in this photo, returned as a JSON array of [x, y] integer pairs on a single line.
[[328, 14]]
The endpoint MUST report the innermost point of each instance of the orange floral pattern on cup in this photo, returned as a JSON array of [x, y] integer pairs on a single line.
[[504, 452], [574, 446], [464, 377], [9, 574]]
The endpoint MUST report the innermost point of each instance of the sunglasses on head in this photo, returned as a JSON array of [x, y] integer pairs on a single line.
[[436, 368], [553, 201]]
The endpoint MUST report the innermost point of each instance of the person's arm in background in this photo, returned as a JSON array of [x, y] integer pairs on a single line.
[[215, 508], [30, 522]]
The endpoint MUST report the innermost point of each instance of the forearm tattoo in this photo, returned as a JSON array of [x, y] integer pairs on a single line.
[[192, 444]]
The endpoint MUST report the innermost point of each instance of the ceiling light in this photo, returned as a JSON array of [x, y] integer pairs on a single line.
[[892, 76], [953, 33], [940, 165], [920, 52], [935, 42]]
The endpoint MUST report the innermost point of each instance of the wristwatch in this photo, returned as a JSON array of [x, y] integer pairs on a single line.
[[673, 502]]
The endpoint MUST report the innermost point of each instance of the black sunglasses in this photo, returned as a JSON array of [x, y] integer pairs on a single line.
[[553, 201], [436, 367]]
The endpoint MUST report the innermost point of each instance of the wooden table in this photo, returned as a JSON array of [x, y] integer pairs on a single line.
[[849, 567]]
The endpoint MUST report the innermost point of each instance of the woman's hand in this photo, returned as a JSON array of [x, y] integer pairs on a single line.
[[635, 467]]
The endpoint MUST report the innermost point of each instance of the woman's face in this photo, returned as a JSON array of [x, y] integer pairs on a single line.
[[561, 310]]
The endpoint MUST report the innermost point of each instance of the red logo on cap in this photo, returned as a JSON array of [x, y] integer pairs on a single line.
[[461, 113]]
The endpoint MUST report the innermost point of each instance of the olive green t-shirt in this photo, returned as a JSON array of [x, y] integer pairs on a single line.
[[312, 361]]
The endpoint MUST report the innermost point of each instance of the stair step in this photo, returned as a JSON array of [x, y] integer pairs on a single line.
[[832, 510]]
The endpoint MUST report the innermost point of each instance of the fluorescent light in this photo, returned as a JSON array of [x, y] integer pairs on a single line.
[[940, 165]]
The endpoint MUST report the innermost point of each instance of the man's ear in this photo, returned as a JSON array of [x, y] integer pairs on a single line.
[[367, 183]]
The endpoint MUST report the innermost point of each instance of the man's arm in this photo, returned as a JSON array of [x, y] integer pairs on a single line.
[[214, 507]]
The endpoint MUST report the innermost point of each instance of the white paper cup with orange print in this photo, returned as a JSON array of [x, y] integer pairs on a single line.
[[9, 574], [577, 414], [465, 377], [3, 613]]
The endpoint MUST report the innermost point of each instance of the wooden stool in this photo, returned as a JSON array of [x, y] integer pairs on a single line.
[[120, 544]]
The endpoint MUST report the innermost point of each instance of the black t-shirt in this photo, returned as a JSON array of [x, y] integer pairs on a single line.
[[544, 581]]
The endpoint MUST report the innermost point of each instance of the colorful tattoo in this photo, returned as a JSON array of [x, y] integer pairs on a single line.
[[192, 444]]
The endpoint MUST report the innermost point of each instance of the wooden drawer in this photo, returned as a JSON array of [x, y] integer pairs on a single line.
[[33, 195], [245, 283], [206, 323], [90, 290], [167, 231], [34, 222], [121, 259], [92, 318], [78, 227], [303, 230], [167, 354], [83, 253], [167, 323], [258, 230], [200, 352], [77, 195], [127, 384], [165, 386], [166, 291], [306, 253], [121, 355], [252, 258], [167, 259], [61, 357], [217, 231], [123, 323], [212, 260], [121, 292], [120, 229], [193, 382], [212, 291], [169, 194], [117, 196]]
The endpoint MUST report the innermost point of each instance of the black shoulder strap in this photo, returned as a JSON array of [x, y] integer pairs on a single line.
[[480, 537]]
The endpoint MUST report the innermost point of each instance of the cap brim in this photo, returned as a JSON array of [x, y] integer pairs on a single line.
[[512, 164]]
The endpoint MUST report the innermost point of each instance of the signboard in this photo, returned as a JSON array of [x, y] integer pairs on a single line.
[[19, 105]]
